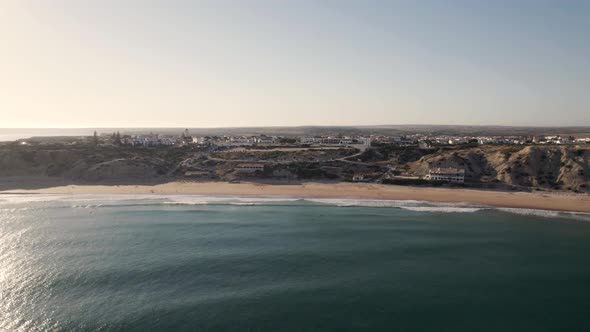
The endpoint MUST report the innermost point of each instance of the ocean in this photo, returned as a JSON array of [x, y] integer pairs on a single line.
[[196, 263], [13, 134]]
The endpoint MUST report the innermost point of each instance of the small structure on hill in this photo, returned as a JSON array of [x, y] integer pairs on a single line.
[[358, 177], [446, 174]]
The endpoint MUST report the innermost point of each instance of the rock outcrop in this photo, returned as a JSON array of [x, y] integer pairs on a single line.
[[551, 167]]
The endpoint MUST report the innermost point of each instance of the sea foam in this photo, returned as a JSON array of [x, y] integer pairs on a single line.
[[43, 201]]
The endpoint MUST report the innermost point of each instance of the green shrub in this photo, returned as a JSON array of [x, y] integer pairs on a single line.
[[508, 151]]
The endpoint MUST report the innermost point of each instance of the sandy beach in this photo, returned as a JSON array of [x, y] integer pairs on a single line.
[[538, 200]]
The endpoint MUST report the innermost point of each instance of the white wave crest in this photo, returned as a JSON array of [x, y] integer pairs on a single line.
[[186, 203], [87, 201], [411, 205], [547, 213], [444, 209], [531, 212]]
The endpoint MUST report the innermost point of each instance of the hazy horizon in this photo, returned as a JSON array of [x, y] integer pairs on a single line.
[[218, 64], [12, 134], [408, 125]]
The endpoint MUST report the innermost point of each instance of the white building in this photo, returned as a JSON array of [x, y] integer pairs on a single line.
[[366, 141], [446, 174], [331, 140], [308, 140], [359, 177], [237, 141], [266, 140], [346, 141], [457, 140], [146, 141], [168, 141]]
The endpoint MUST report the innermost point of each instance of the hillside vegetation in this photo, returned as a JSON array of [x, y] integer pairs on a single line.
[[547, 167], [88, 163]]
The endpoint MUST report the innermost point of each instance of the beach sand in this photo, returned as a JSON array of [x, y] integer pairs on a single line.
[[536, 200]]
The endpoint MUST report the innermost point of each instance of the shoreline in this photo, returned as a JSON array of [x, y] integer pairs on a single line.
[[565, 202]]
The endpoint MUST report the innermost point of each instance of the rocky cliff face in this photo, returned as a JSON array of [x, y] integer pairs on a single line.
[[549, 167], [554, 167]]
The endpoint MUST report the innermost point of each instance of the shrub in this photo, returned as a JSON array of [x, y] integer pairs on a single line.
[[508, 151]]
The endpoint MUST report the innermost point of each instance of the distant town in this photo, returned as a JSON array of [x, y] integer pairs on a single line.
[[511, 162], [224, 141]]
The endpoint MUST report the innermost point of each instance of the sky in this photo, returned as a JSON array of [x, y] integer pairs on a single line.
[[173, 63]]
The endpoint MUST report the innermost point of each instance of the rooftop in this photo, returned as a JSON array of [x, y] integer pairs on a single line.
[[447, 170]]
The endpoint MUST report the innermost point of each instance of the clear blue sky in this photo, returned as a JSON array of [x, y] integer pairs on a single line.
[[246, 63]]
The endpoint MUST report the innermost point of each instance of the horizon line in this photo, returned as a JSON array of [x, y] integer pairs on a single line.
[[312, 126]]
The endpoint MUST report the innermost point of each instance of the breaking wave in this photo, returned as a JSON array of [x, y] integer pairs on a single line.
[[86, 201]]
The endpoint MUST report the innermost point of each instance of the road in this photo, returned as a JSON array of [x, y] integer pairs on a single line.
[[362, 149]]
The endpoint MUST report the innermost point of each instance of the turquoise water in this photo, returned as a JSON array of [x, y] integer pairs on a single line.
[[133, 263]]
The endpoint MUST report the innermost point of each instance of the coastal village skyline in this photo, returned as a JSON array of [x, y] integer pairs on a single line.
[[346, 154]]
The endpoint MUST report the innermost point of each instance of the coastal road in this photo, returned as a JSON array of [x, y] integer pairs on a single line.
[[362, 149]]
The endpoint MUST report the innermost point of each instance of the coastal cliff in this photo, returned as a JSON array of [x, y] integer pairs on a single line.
[[550, 167], [84, 164], [562, 168]]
